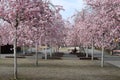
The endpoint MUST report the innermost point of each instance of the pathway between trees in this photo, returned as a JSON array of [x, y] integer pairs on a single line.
[[112, 59], [68, 56]]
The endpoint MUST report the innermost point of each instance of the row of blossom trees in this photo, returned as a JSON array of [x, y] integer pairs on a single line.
[[97, 25], [30, 23]]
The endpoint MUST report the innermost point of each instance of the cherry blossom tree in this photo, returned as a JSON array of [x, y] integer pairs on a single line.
[[107, 18], [68, 34], [100, 24], [18, 12]]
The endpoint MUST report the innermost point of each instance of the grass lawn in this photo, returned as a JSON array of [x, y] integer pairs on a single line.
[[58, 70]]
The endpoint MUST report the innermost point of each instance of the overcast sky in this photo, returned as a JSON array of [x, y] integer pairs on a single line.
[[70, 6]]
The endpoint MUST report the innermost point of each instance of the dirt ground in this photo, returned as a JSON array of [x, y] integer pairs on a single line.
[[58, 70]]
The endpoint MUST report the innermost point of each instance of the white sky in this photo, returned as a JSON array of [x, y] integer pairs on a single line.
[[70, 6]]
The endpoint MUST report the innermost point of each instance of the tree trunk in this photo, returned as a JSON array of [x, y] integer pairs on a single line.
[[92, 54], [51, 52], [58, 49], [15, 55], [111, 52], [86, 51], [30, 48], [102, 57], [45, 54], [55, 49], [80, 49], [50, 49], [0, 51], [23, 49], [36, 54]]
